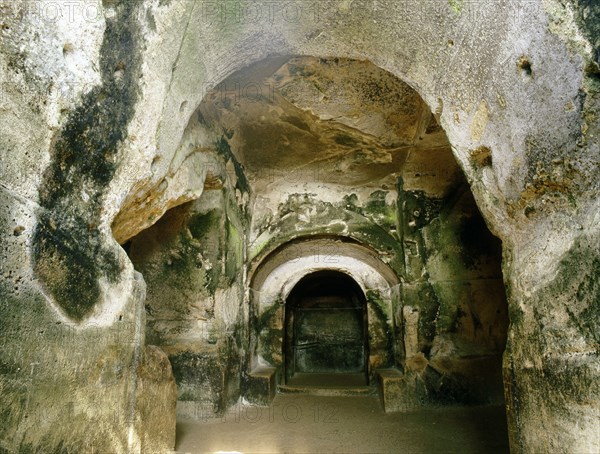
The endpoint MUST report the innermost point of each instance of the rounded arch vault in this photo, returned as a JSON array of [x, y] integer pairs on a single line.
[[285, 268], [278, 277], [340, 167]]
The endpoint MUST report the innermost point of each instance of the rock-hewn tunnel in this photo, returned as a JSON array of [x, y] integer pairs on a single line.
[[203, 207]]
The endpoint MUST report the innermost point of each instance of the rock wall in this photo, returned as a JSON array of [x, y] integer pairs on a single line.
[[455, 314], [58, 376], [193, 262], [72, 307], [449, 285], [96, 98]]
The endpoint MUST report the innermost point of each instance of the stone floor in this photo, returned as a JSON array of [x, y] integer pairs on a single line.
[[350, 424]]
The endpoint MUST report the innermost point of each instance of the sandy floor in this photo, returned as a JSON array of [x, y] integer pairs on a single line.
[[350, 424]]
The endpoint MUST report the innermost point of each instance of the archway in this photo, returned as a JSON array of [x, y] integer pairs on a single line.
[[537, 189], [326, 341], [298, 282], [375, 194]]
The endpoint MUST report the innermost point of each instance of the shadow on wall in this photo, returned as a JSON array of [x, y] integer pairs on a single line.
[[192, 261]]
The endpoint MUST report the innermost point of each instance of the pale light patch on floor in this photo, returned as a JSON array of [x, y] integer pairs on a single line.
[[349, 424]]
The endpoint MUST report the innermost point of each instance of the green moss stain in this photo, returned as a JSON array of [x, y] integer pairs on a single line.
[[350, 202], [68, 253], [233, 253], [199, 224], [419, 209], [421, 295], [304, 215], [270, 333], [224, 149], [382, 213], [456, 5], [578, 276], [201, 254], [376, 202], [199, 378], [381, 337]]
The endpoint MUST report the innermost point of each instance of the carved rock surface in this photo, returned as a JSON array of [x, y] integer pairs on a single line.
[[102, 131]]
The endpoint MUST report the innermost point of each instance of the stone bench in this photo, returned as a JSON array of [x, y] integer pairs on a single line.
[[262, 385], [396, 391]]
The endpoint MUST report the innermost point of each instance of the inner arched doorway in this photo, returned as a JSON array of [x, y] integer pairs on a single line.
[[326, 341]]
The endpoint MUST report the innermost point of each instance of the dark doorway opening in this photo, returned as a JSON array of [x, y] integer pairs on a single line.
[[326, 341]]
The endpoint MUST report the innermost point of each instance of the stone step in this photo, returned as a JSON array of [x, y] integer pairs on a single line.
[[396, 391], [328, 391], [262, 385]]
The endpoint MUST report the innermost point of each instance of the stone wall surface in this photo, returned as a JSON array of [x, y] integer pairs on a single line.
[[60, 379], [95, 101], [193, 262]]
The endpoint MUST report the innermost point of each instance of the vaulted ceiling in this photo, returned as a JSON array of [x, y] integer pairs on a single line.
[[338, 121]]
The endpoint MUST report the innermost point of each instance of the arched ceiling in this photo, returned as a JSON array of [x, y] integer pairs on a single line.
[[335, 121], [432, 46]]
